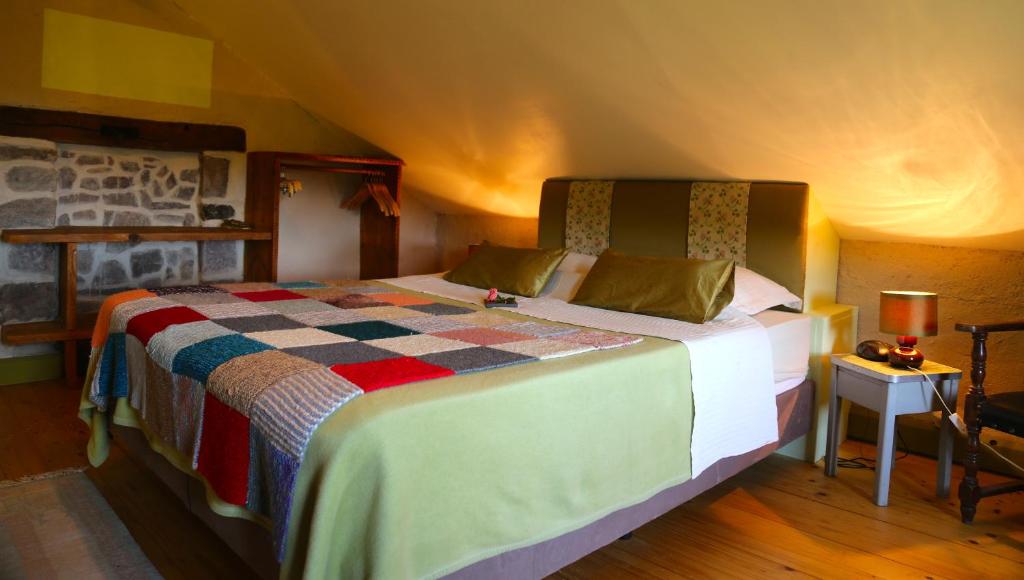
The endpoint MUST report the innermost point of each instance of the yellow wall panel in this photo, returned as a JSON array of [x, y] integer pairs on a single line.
[[102, 57]]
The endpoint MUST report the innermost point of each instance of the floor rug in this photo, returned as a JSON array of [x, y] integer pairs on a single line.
[[57, 525]]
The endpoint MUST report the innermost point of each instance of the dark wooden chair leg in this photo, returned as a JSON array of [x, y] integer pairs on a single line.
[[970, 491]]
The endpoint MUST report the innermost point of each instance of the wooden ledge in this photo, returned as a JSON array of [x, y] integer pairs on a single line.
[[49, 331], [85, 234]]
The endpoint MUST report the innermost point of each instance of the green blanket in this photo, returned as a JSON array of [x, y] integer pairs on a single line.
[[424, 480], [420, 482]]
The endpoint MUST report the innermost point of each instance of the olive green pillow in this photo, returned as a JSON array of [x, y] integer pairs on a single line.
[[679, 288], [522, 271]]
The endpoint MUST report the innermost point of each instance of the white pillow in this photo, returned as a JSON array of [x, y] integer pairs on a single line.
[[578, 263], [566, 279], [755, 293], [562, 285]]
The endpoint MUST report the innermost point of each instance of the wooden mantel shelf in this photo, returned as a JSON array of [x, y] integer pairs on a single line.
[[87, 234], [49, 331]]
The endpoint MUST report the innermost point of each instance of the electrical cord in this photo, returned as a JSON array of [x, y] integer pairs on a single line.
[[958, 426], [861, 462]]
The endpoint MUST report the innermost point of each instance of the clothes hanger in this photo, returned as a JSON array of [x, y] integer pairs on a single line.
[[373, 186], [357, 200]]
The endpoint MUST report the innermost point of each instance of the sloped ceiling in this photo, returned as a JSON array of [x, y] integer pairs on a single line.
[[906, 117]]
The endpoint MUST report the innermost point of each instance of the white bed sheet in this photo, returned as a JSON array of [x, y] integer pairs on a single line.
[[790, 336], [730, 365]]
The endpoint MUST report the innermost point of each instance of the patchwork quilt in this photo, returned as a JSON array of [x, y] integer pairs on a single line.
[[237, 377]]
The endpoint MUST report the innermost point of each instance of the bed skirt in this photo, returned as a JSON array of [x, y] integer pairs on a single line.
[[252, 543]]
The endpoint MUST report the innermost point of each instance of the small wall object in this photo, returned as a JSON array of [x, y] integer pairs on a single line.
[[289, 187], [494, 300], [236, 224]]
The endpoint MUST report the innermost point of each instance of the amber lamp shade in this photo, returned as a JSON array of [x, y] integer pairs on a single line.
[[908, 315]]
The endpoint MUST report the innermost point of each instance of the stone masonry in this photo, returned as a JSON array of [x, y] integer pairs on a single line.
[[221, 197], [117, 187], [43, 184], [28, 182]]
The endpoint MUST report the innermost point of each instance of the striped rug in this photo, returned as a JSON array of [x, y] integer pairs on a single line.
[[57, 525]]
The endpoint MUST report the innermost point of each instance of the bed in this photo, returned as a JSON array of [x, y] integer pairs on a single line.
[[519, 470]]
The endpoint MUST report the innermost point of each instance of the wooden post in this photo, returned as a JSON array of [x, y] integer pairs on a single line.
[[67, 292], [67, 285]]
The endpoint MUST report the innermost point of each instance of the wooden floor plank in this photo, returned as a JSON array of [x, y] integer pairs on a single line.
[[660, 541], [911, 547], [40, 430], [597, 564], [177, 543], [802, 551], [998, 527]]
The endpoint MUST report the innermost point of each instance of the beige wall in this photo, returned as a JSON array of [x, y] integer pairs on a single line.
[[418, 249], [905, 117], [973, 286], [319, 240], [241, 95], [456, 232]]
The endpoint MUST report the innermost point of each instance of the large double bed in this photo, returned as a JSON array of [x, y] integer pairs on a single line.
[[513, 443]]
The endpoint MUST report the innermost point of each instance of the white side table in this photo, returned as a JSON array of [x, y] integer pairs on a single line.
[[891, 392]]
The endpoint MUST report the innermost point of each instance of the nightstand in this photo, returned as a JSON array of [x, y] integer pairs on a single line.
[[891, 392]]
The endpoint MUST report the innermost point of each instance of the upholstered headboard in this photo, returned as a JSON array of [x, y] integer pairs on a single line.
[[787, 239]]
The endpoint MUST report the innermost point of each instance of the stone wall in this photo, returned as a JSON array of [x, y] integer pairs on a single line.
[[107, 187], [43, 184], [105, 268], [28, 183], [974, 285], [221, 197]]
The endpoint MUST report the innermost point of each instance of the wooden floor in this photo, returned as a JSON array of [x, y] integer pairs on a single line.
[[40, 431], [779, 518]]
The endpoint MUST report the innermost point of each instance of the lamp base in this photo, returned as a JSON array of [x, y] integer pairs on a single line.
[[906, 355]]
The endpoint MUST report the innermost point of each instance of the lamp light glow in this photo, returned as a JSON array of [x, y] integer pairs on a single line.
[[908, 315]]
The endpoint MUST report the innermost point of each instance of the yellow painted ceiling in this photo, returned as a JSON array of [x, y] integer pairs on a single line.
[[906, 117]]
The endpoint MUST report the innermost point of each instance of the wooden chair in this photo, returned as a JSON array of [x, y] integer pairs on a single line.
[[1003, 412]]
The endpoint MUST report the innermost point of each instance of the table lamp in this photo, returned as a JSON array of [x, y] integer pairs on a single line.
[[908, 315]]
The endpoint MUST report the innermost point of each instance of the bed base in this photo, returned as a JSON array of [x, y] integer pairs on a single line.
[[252, 543], [247, 539]]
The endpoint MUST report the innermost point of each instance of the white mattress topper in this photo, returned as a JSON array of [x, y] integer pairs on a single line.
[[790, 336]]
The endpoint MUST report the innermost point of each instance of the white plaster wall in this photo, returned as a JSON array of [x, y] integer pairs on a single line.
[[456, 232], [417, 241], [318, 239]]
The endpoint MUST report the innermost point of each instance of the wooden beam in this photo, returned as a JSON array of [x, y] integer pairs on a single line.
[[315, 160], [48, 331], [86, 234], [108, 131], [67, 284]]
